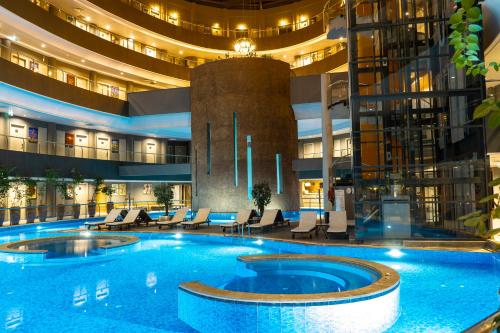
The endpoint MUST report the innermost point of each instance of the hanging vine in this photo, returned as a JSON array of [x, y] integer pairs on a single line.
[[465, 24]]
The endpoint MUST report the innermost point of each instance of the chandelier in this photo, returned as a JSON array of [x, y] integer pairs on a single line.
[[244, 46]]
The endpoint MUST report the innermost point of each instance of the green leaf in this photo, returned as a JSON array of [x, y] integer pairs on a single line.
[[456, 18], [472, 38], [472, 58], [467, 4], [495, 213], [475, 27], [494, 119], [472, 46], [489, 198], [470, 215], [474, 13], [494, 182], [482, 110]]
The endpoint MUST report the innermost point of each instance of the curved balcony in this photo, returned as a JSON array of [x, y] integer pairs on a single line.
[[213, 37], [45, 20], [38, 83], [323, 63]]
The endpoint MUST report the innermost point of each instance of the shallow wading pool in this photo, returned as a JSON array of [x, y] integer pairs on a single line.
[[138, 291]]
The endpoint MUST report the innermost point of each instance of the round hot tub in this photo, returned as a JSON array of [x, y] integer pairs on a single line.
[[64, 247], [324, 292]]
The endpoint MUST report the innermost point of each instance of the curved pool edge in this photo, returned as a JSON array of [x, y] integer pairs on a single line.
[[373, 308], [388, 281]]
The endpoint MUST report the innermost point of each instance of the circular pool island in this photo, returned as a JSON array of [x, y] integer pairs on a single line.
[[84, 245], [325, 293]]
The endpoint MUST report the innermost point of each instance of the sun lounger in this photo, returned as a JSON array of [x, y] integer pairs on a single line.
[[307, 224], [135, 216], [241, 220], [267, 220], [337, 223], [179, 216], [200, 218], [113, 216]]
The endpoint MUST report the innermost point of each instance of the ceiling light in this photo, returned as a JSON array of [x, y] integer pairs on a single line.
[[12, 38], [216, 25], [242, 26], [87, 18], [83, 60], [44, 46], [174, 15], [153, 44], [107, 27], [302, 52], [121, 73], [284, 56], [181, 52], [303, 18], [283, 22], [244, 46]]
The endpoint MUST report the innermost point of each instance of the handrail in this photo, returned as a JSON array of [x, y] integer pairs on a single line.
[[487, 325], [222, 32], [311, 57], [32, 145], [67, 76]]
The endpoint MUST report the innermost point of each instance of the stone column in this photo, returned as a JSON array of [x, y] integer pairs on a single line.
[[52, 70], [92, 81], [327, 139], [232, 100]]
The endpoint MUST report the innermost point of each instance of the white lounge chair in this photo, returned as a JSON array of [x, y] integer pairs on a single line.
[[200, 218], [179, 216], [267, 220], [307, 224], [113, 216], [241, 220], [135, 216], [337, 223]]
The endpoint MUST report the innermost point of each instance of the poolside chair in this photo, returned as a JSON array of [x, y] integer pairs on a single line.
[[200, 218], [113, 216], [241, 220], [179, 216], [135, 216], [307, 224], [337, 223], [267, 220]]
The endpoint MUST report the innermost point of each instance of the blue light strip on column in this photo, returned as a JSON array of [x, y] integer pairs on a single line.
[[209, 149], [235, 148], [249, 167], [279, 181]]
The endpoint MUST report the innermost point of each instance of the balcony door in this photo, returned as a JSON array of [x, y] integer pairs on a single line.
[[103, 148], [81, 146], [17, 137]]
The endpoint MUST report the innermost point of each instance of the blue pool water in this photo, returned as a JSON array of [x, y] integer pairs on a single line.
[[137, 292], [296, 277]]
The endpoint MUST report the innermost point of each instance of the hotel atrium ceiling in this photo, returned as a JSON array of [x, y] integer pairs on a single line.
[[244, 4]]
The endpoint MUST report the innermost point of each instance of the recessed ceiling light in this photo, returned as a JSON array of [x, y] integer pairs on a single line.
[[87, 18], [121, 73], [284, 56], [153, 44], [13, 38], [107, 27], [83, 60], [181, 52], [301, 52], [43, 45]]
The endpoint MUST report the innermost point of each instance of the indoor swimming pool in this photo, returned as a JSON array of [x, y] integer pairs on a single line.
[[138, 291]]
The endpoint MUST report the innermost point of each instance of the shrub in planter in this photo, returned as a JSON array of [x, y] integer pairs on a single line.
[[15, 209], [76, 180], [4, 192], [30, 196], [261, 194], [164, 195], [98, 181], [62, 189], [108, 190]]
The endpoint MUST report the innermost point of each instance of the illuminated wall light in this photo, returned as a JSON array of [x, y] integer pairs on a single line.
[[249, 167], [303, 18], [283, 22], [12, 38], [242, 26], [216, 25], [107, 27], [174, 15], [181, 52], [87, 18]]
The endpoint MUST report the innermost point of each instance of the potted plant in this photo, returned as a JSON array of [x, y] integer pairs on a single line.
[[62, 189], [30, 196], [50, 180], [76, 179], [164, 195], [98, 181], [261, 194], [108, 190], [15, 208], [4, 192]]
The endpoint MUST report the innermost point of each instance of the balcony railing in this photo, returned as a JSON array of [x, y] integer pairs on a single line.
[[32, 145], [219, 31], [311, 57], [64, 75], [345, 152]]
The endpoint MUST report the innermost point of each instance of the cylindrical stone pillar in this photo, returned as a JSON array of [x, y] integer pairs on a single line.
[[240, 109]]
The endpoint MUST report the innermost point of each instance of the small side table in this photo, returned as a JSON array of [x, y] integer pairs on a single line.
[[323, 227]]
